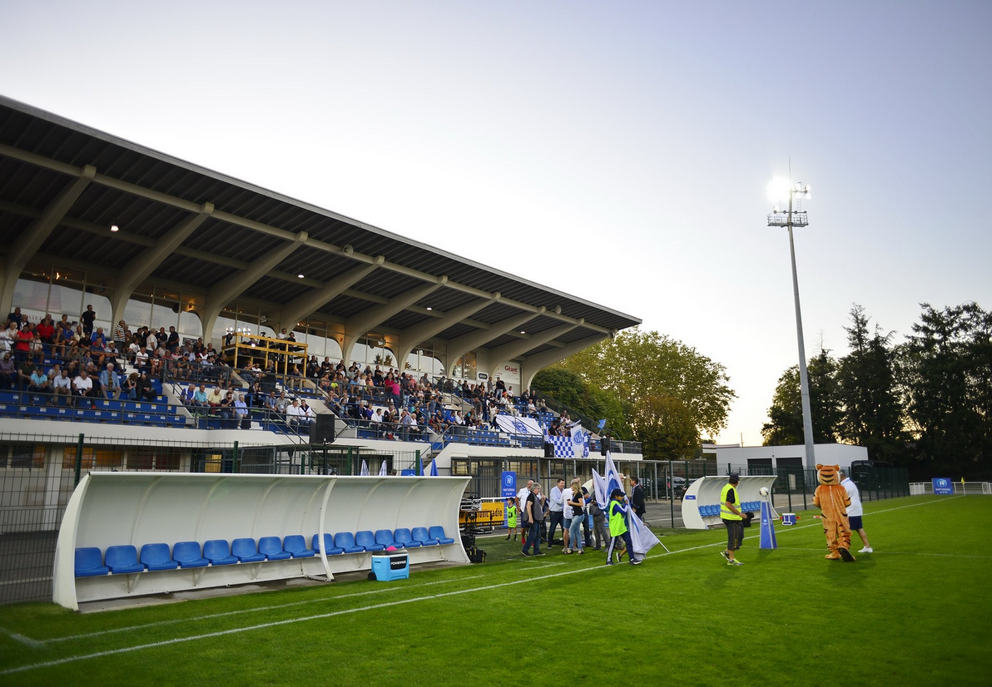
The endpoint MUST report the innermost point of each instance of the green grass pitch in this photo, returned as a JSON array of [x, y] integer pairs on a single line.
[[916, 612]]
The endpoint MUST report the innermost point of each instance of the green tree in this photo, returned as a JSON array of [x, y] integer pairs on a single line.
[[572, 391], [946, 373], [785, 426], [872, 414], [663, 385]]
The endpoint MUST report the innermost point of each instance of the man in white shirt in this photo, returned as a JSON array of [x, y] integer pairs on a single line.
[[83, 386], [555, 505], [522, 495], [855, 511], [566, 512]]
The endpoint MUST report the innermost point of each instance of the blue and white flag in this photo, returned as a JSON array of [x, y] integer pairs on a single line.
[[365, 469], [382, 469], [518, 425], [563, 447], [433, 472], [580, 441], [612, 476], [640, 536], [599, 490]]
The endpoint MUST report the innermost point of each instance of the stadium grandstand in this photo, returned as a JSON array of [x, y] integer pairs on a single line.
[[151, 299]]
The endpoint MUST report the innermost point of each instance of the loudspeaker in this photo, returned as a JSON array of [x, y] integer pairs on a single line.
[[322, 429], [549, 450], [604, 445]]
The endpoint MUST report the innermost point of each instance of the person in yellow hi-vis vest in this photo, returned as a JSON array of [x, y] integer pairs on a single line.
[[619, 535], [733, 518], [511, 518]]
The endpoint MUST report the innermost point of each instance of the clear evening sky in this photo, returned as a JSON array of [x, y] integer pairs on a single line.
[[619, 151]]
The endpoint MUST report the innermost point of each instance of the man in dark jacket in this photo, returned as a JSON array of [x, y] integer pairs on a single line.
[[637, 497]]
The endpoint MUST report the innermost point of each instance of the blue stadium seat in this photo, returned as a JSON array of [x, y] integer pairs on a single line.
[[420, 535], [187, 554], [218, 552], [246, 551], [271, 548], [329, 547], [437, 532], [366, 540], [385, 537], [402, 535], [346, 541], [296, 545], [157, 557], [89, 562], [123, 559]]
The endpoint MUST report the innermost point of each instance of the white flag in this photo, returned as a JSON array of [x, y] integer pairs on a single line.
[[640, 536], [599, 489], [433, 472], [365, 469], [382, 469]]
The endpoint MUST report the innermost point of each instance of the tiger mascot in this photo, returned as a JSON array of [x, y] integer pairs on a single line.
[[832, 500]]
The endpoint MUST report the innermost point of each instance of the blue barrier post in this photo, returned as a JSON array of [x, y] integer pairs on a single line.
[[767, 528]]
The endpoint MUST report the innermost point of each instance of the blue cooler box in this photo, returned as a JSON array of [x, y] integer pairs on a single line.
[[391, 566]]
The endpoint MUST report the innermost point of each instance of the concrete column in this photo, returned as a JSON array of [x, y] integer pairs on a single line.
[[413, 336], [30, 240], [469, 342], [509, 351], [298, 308], [533, 364]]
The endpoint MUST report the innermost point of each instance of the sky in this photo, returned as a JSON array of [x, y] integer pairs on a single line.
[[619, 151]]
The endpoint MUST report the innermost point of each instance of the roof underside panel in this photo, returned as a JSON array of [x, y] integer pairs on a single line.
[[28, 185]]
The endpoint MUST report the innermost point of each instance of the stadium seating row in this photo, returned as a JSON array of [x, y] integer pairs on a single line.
[[746, 507], [125, 559]]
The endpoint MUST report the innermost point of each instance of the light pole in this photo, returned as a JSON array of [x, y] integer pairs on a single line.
[[790, 219]]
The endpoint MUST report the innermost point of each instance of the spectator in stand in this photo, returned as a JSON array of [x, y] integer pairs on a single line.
[[143, 388], [294, 414], [172, 342], [24, 372], [407, 424], [8, 335], [64, 337], [38, 382], [129, 387], [241, 412], [17, 317], [110, 382], [8, 372], [200, 397], [62, 385], [226, 411], [141, 359], [37, 349], [98, 340], [46, 330], [82, 388], [120, 334], [88, 318], [22, 345], [214, 398], [151, 343]]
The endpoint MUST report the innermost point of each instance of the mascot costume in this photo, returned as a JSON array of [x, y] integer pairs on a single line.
[[832, 500]]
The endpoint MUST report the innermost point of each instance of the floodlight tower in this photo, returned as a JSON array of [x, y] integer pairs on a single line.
[[789, 219]]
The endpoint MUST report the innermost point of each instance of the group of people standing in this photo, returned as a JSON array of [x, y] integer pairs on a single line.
[[569, 508]]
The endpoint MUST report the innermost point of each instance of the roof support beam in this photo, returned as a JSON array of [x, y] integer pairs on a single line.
[[469, 342], [533, 364], [30, 240], [359, 325], [142, 266], [227, 290], [310, 302], [509, 351], [411, 337]]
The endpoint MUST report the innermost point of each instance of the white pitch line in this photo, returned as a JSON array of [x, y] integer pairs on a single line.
[[289, 621], [54, 640], [21, 638]]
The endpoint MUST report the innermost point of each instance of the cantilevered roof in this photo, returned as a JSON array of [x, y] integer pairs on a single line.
[[63, 183]]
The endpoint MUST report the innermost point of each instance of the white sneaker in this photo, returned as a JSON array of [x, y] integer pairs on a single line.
[[867, 549]]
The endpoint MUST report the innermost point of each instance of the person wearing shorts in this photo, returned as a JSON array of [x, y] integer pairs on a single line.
[[733, 518], [855, 511]]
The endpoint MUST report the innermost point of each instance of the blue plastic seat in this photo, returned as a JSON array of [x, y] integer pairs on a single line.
[[346, 541], [329, 547], [89, 562], [123, 559], [296, 546], [218, 552], [157, 557], [402, 535], [385, 537], [366, 540], [420, 534], [271, 548], [246, 550], [437, 532], [187, 555]]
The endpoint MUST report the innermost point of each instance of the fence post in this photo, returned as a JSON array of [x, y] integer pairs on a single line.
[[416, 467], [670, 490], [805, 507], [234, 459], [79, 459]]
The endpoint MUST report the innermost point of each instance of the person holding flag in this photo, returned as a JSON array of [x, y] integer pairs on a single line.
[[618, 529]]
